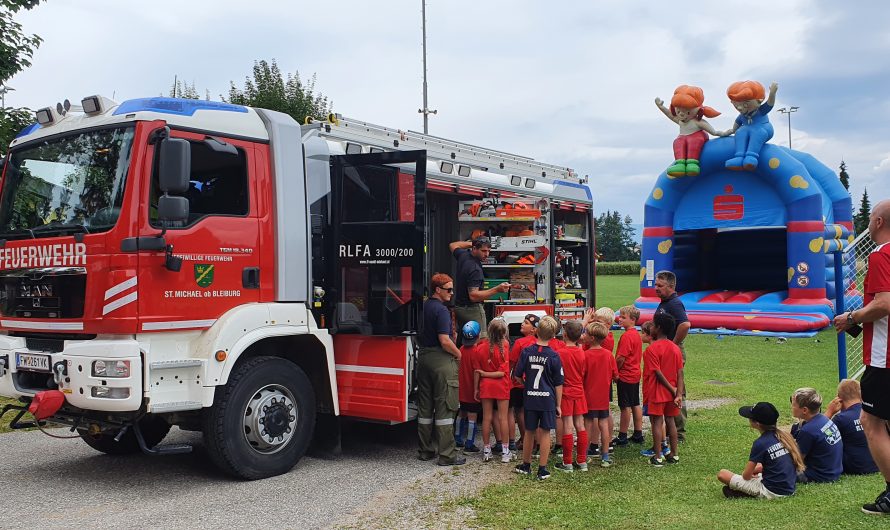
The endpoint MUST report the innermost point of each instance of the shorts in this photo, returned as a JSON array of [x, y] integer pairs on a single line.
[[517, 396], [573, 406], [540, 419], [753, 487], [667, 409], [875, 398], [471, 407], [596, 414], [628, 394]]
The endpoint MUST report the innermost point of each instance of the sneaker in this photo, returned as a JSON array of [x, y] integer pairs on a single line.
[[566, 468], [618, 441], [557, 449], [512, 446], [471, 448], [881, 506], [486, 454], [496, 448], [611, 447], [582, 467], [730, 493], [523, 469], [596, 453], [648, 453], [637, 440], [457, 461], [606, 462], [656, 462], [543, 474], [672, 459], [507, 457]]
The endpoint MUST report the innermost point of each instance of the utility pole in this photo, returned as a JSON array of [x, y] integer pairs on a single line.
[[788, 111], [426, 109], [3, 90]]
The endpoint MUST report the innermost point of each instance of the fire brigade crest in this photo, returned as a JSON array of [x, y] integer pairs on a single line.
[[203, 274]]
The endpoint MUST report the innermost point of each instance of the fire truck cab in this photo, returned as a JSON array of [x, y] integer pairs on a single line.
[[224, 269]]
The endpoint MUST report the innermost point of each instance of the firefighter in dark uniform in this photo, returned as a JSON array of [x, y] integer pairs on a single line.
[[469, 294], [437, 399]]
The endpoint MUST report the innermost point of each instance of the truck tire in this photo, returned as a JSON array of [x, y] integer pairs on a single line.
[[154, 430], [262, 420]]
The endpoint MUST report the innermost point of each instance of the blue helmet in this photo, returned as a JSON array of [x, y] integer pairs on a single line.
[[470, 331]]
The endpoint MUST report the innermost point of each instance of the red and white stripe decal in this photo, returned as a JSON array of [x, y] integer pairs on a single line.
[[369, 369], [115, 290], [879, 343]]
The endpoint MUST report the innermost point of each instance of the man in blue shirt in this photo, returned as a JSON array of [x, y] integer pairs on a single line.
[[666, 289], [437, 377], [817, 437], [469, 280], [844, 411]]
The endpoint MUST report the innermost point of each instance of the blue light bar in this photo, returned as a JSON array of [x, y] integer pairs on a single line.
[[181, 107], [28, 130]]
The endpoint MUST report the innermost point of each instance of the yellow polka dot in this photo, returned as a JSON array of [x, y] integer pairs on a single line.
[[751, 317], [799, 182], [773, 163], [657, 194], [665, 246], [790, 273], [642, 273], [816, 244]]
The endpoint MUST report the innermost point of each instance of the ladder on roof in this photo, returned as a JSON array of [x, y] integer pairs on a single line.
[[439, 149]]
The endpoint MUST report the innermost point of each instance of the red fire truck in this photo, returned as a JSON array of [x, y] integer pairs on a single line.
[[224, 269]]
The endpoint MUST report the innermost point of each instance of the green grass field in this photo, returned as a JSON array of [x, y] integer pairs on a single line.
[[632, 495]]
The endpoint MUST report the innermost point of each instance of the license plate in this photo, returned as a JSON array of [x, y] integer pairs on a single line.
[[34, 363]]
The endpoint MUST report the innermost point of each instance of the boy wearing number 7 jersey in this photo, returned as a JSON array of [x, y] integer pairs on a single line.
[[541, 368]]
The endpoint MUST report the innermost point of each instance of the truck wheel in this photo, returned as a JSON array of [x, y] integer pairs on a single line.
[[262, 420], [154, 429]]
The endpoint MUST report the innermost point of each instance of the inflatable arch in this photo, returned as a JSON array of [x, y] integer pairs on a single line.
[[751, 249]]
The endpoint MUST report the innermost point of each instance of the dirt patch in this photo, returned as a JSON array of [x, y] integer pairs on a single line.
[[421, 503], [717, 382]]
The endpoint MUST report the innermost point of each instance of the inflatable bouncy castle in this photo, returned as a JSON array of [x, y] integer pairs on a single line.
[[752, 249]]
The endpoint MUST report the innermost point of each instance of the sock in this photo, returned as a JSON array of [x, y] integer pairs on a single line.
[[582, 447], [567, 449], [622, 436], [471, 436], [457, 430], [463, 428], [638, 434], [505, 448], [594, 448]]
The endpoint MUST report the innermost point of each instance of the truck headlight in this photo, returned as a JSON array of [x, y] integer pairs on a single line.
[[109, 392], [111, 369]]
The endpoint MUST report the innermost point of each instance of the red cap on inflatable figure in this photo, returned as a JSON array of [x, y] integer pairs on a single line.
[[46, 403]]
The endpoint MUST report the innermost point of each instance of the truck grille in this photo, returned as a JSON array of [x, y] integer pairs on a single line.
[[51, 292]]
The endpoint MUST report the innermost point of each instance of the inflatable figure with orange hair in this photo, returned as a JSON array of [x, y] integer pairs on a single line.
[[688, 111], [752, 128]]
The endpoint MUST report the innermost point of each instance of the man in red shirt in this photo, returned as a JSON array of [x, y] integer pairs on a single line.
[[875, 318], [628, 358], [528, 327], [663, 387], [600, 370]]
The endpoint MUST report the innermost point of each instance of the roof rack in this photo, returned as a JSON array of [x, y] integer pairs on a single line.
[[442, 149]]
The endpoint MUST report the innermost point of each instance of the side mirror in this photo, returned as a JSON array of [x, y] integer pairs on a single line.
[[172, 208], [174, 166]]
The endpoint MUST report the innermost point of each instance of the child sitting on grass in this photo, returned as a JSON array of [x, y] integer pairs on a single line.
[[574, 404], [817, 437], [844, 411], [773, 464], [541, 370]]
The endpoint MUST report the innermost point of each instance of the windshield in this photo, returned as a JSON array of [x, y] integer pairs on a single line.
[[64, 185]]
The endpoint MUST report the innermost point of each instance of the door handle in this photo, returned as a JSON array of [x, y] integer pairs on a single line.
[[250, 278]]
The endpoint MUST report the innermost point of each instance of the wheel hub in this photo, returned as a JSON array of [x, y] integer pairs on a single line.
[[270, 419]]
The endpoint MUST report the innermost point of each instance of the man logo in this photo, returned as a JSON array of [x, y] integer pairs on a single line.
[[203, 274]]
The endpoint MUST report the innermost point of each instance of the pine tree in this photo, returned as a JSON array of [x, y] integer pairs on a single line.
[[845, 178], [860, 220]]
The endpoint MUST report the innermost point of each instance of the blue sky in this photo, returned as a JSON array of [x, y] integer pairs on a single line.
[[569, 83]]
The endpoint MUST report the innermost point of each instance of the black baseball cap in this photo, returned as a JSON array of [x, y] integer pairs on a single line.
[[533, 319], [763, 412]]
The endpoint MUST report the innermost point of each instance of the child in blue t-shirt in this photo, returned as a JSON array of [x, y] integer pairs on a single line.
[[817, 437], [541, 370], [844, 411], [773, 464]]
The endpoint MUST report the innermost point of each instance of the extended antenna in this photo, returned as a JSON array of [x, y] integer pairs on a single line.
[[426, 109]]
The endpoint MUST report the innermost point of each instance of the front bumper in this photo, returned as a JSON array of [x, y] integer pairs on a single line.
[[71, 372]]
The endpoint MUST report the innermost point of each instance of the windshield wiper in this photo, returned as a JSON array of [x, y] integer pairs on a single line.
[[15, 234], [61, 227]]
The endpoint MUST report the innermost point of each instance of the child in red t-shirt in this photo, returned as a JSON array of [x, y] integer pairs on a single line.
[[492, 379], [628, 357], [466, 390], [574, 402], [606, 317], [527, 328], [600, 371], [663, 387]]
